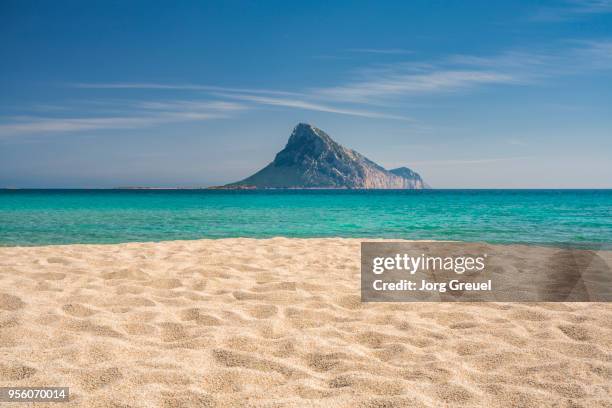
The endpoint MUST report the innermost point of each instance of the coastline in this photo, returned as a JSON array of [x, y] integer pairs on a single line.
[[223, 321], [578, 246]]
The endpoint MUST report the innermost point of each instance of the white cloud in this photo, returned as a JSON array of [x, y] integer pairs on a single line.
[[150, 114], [390, 51], [448, 74], [181, 105], [464, 72], [45, 125], [287, 99], [411, 83], [301, 104], [572, 9], [575, 56], [176, 87], [453, 162], [379, 85]]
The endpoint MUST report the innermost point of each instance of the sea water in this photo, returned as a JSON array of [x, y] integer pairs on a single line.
[[579, 218]]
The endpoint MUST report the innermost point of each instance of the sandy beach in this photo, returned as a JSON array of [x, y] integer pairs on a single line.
[[279, 323]]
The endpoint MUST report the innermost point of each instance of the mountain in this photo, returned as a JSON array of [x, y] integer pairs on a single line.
[[409, 174], [312, 159]]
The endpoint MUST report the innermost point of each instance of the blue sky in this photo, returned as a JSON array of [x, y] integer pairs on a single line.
[[470, 94]]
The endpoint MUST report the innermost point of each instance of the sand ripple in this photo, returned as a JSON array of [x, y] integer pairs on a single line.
[[279, 323]]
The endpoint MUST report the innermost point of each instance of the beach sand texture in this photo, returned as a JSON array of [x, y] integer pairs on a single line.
[[279, 323]]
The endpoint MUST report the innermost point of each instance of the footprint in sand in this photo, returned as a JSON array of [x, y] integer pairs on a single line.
[[224, 381], [131, 290], [366, 385], [229, 358], [430, 373], [95, 379], [139, 329], [325, 362], [77, 310], [463, 325], [163, 377], [284, 348], [201, 318], [10, 302], [165, 283], [58, 260], [49, 276], [263, 311], [199, 285], [468, 348], [371, 339], [186, 399], [8, 323], [575, 332], [392, 352], [173, 331], [90, 327], [133, 301], [273, 287], [453, 393], [306, 392], [131, 274], [15, 372], [350, 302], [530, 315]]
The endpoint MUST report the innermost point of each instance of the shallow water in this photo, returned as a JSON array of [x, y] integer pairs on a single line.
[[559, 217]]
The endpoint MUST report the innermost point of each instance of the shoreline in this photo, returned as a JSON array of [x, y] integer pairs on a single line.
[[554, 245], [248, 239]]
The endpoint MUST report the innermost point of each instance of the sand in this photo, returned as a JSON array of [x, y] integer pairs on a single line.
[[279, 323]]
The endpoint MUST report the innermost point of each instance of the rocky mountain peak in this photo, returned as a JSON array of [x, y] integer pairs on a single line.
[[308, 144], [312, 159], [305, 132]]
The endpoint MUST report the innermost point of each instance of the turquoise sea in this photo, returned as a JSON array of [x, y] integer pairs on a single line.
[[560, 217]]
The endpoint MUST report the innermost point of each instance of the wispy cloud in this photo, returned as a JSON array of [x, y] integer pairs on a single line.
[[592, 54], [146, 114], [388, 51], [381, 85], [301, 104], [193, 106], [447, 74], [176, 87], [46, 125], [288, 99], [572, 9], [405, 84], [516, 142], [453, 162], [352, 53], [567, 57], [464, 72]]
